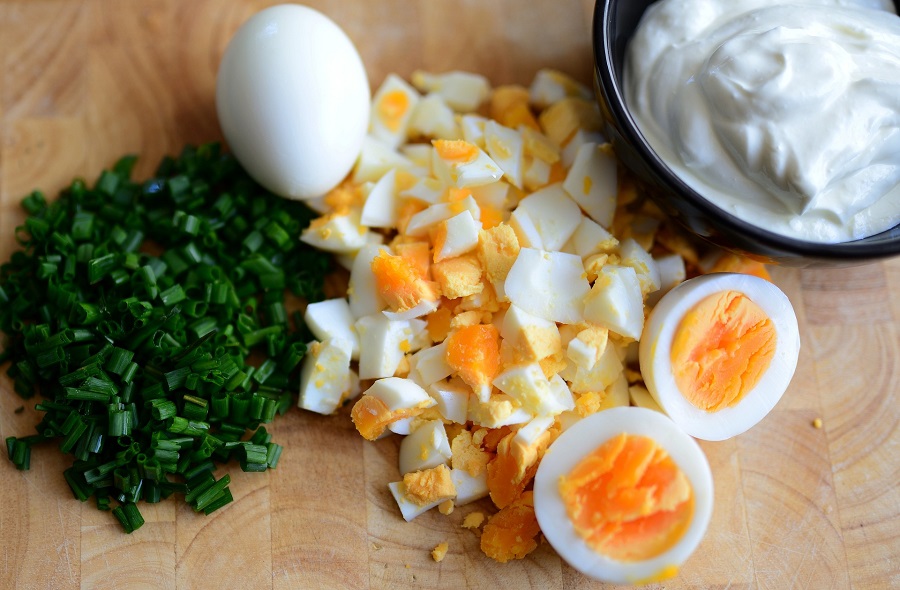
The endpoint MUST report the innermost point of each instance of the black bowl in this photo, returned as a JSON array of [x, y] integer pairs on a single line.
[[614, 23]]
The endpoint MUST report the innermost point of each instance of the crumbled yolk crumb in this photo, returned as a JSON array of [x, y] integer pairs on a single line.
[[457, 151], [628, 499], [512, 532], [473, 520], [467, 455], [721, 349], [817, 423], [439, 552], [429, 485]]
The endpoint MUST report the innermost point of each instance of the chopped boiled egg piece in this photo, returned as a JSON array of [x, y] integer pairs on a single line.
[[463, 91], [553, 214], [550, 86], [526, 228], [533, 337], [498, 411], [400, 284], [633, 255], [425, 447], [463, 164], [426, 189], [536, 173], [591, 238], [616, 302], [472, 127], [455, 236], [474, 354], [362, 292], [588, 346], [505, 147], [509, 107], [498, 249], [432, 118], [339, 232], [421, 491], [383, 343], [550, 285], [423, 222], [581, 137], [325, 376], [451, 400], [469, 488], [624, 496], [511, 533], [534, 393], [720, 351], [671, 271], [387, 401], [332, 318], [641, 398], [592, 182], [429, 365], [392, 108], [603, 373], [380, 208], [376, 158], [459, 276], [563, 118]]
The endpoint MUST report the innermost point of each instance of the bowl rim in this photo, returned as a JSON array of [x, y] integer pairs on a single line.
[[604, 68]]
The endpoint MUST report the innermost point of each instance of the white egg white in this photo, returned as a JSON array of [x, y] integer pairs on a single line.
[[292, 98], [656, 345], [578, 441]]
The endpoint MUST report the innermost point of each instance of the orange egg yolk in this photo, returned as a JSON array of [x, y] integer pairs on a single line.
[[455, 150], [474, 353], [627, 499], [721, 349]]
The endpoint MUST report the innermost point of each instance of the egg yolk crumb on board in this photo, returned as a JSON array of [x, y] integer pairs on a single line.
[[721, 349], [628, 499], [501, 266]]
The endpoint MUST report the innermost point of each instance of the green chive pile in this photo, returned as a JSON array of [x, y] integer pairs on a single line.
[[151, 319]]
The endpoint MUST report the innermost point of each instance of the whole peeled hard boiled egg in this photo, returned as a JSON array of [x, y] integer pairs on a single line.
[[293, 100], [718, 351], [624, 496]]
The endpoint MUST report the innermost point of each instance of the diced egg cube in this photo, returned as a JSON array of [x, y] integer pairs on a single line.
[[633, 255], [380, 208], [422, 308], [499, 410], [429, 365], [536, 174], [531, 432], [494, 195], [505, 147], [526, 229], [383, 343], [539, 145], [424, 221], [671, 271], [586, 349], [550, 86], [403, 426], [362, 292], [535, 337], [376, 158], [408, 508], [604, 373], [550, 285], [336, 232], [452, 400], [472, 127], [463, 91], [615, 301], [332, 318], [463, 164], [535, 394], [325, 378], [591, 238], [433, 119], [419, 154], [428, 190], [455, 236], [469, 488], [592, 182], [580, 138], [554, 214], [564, 117], [425, 447], [399, 394], [392, 108]]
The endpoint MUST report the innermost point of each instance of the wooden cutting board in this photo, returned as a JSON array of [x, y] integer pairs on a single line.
[[83, 82]]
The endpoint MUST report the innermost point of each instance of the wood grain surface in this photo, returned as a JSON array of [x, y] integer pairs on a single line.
[[83, 82]]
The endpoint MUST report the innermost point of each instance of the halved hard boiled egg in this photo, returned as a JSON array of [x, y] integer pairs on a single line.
[[718, 352], [624, 496]]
